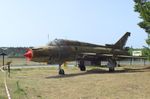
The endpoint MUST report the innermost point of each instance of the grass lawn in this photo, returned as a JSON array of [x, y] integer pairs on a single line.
[[95, 83], [3, 94]]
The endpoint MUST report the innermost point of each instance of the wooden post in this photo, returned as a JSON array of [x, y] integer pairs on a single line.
[[3, 54], [8, 63]]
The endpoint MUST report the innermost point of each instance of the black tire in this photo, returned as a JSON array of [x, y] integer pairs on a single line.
[[111, 69], [82, 65], [82, 68], [61, 72]]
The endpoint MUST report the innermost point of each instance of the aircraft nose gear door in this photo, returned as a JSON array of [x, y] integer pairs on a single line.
[[111, 64]]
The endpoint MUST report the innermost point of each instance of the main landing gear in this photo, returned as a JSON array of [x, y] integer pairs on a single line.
[[111, 64], [111, 69], [82, 65], [61, 71]]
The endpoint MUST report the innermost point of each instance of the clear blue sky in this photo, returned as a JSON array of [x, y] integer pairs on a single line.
[[28, 22]]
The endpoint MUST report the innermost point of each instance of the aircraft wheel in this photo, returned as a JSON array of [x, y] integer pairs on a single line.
[[61, 72], [82, 68], [111, 69]]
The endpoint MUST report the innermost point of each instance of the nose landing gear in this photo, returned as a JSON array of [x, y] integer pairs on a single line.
[[61, 71]]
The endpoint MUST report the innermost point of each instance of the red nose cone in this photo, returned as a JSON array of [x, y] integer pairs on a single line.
[[29, 54]]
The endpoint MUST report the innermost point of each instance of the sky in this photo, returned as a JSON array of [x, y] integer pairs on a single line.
[[25, 23]]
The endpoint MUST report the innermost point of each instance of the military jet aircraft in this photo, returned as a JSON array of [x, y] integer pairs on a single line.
[[60, 51]]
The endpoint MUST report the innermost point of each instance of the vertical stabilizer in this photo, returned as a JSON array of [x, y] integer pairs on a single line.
[[121, 42]]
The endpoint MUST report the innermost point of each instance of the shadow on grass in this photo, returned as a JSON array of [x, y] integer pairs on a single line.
[[102, 71]]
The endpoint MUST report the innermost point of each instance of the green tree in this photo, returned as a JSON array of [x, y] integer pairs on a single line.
[[143, 7]]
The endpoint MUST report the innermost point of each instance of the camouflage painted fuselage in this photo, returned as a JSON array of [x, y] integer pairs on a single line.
[[60, 50]]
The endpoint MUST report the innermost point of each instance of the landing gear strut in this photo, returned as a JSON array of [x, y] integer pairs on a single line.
[[82, 65], [111, 69], [111, 64], [61, 71]]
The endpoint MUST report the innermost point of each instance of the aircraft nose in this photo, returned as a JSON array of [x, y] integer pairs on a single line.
[[29, 54]]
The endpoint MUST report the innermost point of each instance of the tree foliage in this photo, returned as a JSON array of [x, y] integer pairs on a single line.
[[143, 8]]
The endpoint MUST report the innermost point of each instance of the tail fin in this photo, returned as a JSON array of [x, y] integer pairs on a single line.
[[121, 42]]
